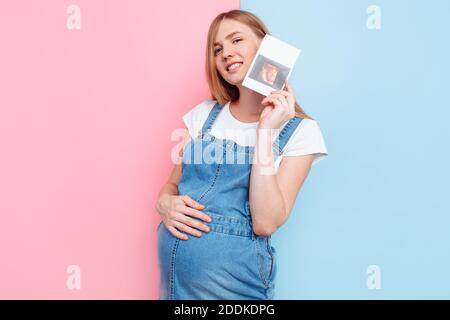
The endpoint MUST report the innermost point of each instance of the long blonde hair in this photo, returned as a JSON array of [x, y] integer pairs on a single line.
[[221, 90]]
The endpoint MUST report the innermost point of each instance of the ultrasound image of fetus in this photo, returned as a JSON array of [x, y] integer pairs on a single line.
[[268, 73]]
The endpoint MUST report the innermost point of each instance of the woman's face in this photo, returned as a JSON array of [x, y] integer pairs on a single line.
[[233, 47]]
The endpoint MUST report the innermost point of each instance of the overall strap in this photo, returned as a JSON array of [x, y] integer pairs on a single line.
[[282, 139], [211, 117]]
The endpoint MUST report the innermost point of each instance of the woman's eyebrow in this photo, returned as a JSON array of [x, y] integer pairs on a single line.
[[228, 36]]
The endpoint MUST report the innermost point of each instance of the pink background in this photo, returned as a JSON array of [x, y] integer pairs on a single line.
[[86, 118]]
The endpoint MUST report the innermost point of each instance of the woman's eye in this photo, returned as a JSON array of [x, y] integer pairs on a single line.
[[217, 50]]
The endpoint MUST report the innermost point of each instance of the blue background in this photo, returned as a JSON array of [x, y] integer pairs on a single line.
[[381, 196]]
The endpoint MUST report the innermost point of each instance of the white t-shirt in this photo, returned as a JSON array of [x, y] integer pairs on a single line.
[[306, 138]]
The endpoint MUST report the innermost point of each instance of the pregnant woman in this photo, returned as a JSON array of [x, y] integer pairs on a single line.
[[243, 162]]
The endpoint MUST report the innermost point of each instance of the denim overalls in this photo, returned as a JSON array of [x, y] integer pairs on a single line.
[[230, 261]]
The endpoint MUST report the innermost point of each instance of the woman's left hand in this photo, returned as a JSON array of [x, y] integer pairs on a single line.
[[280, 107]]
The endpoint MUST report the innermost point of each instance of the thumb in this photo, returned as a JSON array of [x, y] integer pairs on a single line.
[[265, 111], [192, 203]]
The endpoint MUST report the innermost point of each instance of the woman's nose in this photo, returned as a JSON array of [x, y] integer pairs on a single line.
[[226, 52]]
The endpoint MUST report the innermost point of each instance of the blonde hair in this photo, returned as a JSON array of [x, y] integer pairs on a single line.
[[221, 90]]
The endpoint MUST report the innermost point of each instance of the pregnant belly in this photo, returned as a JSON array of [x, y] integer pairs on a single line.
[[216, 266]]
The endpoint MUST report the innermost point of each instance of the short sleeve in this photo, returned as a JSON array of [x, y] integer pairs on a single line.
[[307, 139], [196, 117]]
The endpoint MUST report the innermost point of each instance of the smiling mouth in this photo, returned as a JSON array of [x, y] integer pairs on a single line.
[[235, 66]]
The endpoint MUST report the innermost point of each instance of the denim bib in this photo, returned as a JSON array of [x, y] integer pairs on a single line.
[[230, 261]]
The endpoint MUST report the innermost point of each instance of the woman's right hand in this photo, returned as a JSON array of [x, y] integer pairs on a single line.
[[176, 212]]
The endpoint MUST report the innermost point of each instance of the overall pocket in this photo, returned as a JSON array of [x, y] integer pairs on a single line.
[[266, 260], [273, 254]]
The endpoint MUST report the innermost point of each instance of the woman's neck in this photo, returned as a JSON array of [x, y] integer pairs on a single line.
[[248, 107]]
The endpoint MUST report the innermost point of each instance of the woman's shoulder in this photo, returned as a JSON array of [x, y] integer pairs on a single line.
[[202, 108], [195, 117], [307, 125], [306, 138], [206, 104]]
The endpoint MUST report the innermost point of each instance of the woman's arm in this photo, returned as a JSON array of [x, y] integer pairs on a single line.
[[177, 211], [171, 186], [273, 195]]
